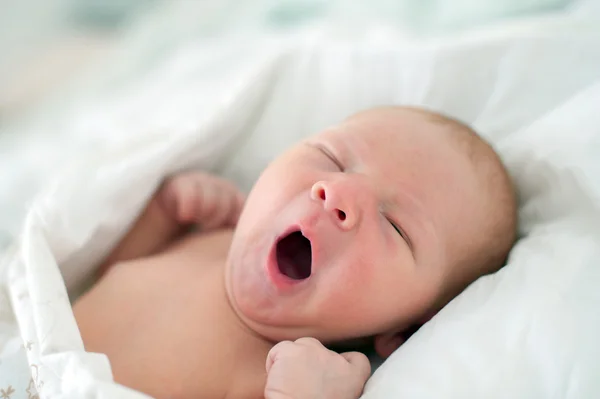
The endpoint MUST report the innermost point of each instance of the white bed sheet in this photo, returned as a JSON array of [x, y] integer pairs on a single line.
[[528, 331]]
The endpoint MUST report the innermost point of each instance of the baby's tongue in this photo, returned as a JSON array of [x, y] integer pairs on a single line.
[[288, 267]]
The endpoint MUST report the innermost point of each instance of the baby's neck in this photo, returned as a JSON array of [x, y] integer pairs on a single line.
[[238, 320]]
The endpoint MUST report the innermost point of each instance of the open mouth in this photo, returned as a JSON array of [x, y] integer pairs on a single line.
[[294, 258]]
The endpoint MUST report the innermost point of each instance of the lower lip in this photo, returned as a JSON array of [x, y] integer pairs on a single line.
[[281, 282]]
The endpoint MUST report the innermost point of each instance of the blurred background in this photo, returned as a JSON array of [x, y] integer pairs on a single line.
[[55, 54]]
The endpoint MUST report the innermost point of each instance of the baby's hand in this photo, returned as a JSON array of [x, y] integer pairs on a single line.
[[305, 369], [198, 197]]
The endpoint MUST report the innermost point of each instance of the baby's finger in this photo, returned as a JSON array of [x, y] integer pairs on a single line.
[[360, 362], [239, 199], [178, 198], [221, 210], [207, 202], [310, 341], [275, 352]]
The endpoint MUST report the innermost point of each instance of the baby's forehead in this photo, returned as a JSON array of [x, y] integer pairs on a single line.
[[397, 113], [402, 147], [393, 131], [403, 138]]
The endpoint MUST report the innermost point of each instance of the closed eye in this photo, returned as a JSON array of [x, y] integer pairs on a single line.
[[400, 232], [331, 157]]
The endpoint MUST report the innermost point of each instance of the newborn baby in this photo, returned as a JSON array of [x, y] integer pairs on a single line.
[[361, 232]]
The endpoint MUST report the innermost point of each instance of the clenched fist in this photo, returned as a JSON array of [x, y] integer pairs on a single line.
[[201, 198], [305, 369]]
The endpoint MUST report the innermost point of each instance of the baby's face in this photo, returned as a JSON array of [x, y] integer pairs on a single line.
[[351, 232]]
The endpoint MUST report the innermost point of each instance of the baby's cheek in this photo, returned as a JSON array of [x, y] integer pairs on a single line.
[[356, 279], [251, 214]]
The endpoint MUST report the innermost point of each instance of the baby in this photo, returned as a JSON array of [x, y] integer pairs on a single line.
[[363, 231]]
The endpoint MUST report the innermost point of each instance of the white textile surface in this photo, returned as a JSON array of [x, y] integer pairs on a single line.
[[528, 331]]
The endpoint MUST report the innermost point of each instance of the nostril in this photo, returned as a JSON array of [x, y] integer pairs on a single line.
[[321, 194], [341, 215]]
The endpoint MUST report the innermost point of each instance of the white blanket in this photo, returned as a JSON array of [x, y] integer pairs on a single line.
[[528, 331]]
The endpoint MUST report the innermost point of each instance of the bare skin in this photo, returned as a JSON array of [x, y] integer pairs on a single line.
[[139, 315], [214, 314], [160, 289]]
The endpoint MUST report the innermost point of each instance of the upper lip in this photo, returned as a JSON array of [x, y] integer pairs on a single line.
[[307, 227]]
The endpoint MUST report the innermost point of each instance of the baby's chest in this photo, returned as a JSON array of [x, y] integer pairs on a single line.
[[207, 361], [172, 335]]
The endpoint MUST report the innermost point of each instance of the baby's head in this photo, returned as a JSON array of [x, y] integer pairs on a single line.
[[369, 228]]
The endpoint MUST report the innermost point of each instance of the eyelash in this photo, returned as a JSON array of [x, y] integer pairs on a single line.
[[333, 159], [398, 230]]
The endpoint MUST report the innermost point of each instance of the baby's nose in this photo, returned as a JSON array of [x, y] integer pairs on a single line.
[[337, 202]]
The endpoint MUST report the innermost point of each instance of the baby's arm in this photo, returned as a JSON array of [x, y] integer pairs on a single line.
[[182, 201], [305, 369]]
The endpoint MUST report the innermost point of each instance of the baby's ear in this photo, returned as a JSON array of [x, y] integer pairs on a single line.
[[386, 344]]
